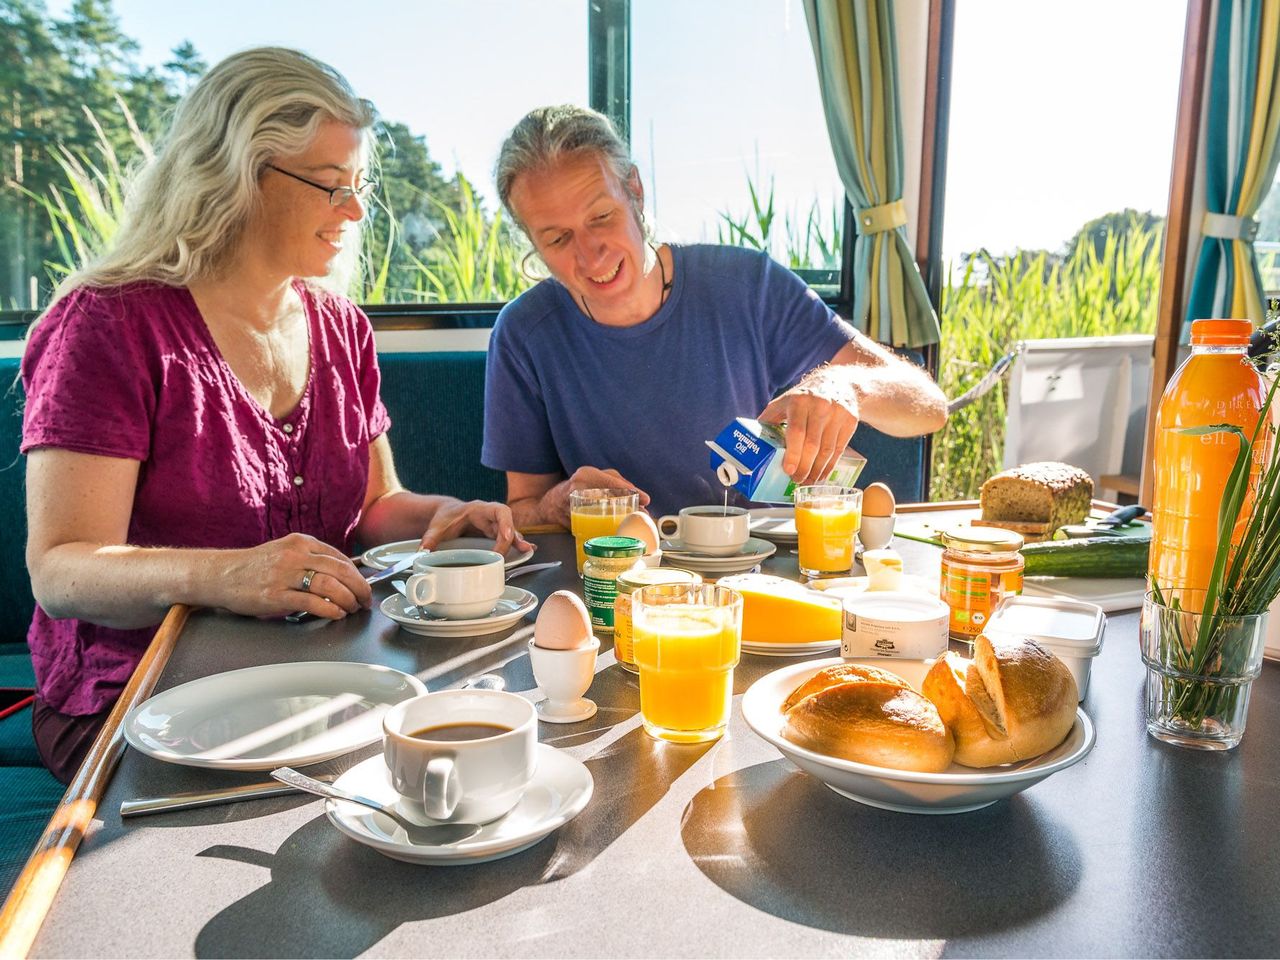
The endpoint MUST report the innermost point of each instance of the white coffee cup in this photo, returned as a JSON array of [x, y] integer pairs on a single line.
[[457, 584], [461, 780], [710, 530]]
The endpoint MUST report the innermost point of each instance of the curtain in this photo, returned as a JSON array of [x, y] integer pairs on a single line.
[[855, 46], [1242, 149]]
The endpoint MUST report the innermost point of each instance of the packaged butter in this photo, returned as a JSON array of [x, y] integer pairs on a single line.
[[747, 455], [775, 610], [901, 625]]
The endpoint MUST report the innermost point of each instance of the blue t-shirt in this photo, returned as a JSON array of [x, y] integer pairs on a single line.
[[562, 391]]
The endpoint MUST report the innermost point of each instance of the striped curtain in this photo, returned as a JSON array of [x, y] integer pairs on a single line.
[[1242, 149], [855, 46]]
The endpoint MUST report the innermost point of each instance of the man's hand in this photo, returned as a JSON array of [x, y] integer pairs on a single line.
[[555, 503], [821, 413]]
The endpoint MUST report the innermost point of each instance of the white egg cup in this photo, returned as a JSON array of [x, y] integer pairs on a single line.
[[564, 676], [876, 532]]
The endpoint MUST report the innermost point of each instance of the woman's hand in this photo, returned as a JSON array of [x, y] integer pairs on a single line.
[[272, 580], [455, 518]]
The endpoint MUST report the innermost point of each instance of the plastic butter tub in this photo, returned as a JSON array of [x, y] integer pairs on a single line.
[[890, 623], [1070, 629]]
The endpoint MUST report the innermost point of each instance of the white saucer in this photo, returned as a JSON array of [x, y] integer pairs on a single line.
[[774, 523], [560, 789], [751, 554], [278, 714], [514, 604], [790, 649], [379, 558]]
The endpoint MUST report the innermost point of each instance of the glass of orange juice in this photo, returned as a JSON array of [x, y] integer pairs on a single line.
[[687, 640], [827, 521], [597, 512]]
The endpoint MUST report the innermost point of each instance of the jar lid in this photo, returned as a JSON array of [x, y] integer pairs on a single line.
[[648, 576], [613, 547], [982, 539], [1222, 333]]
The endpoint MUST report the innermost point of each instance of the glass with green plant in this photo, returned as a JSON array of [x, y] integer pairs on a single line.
[[1203, 648]]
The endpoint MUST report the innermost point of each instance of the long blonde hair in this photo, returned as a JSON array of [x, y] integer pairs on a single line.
[[186, 209]]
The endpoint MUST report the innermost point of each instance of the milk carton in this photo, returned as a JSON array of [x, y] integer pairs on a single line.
[[747, 455]]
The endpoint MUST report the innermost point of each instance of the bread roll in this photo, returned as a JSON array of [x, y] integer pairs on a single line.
[[1013, 701], [840, 673], [885, 724]]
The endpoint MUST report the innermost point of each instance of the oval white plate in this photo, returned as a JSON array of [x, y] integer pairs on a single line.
[[956, 790], [279, 714], [560, 789], [379, 558], [845, 586], [514, 604], [789, 649], [774, 523]]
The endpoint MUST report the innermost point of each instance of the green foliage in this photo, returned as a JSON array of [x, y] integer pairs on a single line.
[[996, 302], [812, 241]]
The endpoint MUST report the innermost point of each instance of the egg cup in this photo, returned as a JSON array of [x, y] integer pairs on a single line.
[[564, 676], [876, 532]]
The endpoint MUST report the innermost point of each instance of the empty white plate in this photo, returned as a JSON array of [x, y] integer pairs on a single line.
[[560, 789], [279, 714], [789, 649], [774, 523], [379, 558], [513, 605]]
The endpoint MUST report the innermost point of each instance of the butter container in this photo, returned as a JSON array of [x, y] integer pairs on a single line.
[[747, 456], [1069, 629], [896, 624]]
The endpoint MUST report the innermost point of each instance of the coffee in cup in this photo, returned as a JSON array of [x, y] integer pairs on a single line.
[[711, 530], [457, 584], [463, 756]]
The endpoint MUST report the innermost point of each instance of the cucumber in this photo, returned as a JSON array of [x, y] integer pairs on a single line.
[[1088, 557]]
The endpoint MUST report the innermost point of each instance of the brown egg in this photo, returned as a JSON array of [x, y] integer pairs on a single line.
[[563, 623], [642, 527], [877, 501]]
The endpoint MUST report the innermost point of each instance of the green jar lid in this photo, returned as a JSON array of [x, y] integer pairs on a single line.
[[613, 547]]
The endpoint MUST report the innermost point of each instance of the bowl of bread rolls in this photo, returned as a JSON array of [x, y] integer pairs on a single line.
[[926, 736]]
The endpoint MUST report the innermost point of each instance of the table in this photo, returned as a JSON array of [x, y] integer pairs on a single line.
[[706, 850]]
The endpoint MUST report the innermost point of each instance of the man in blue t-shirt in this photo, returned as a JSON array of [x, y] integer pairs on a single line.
[[616, 369]]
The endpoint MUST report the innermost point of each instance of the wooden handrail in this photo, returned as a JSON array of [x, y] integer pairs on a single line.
[[32, 895]]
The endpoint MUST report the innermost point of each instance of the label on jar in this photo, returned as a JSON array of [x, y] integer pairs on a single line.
[[599, 595], [623, 645], [973, 593]]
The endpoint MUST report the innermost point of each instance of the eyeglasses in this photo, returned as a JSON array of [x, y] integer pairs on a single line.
[[337, 195]]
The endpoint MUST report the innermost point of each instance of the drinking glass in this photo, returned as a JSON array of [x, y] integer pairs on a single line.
[[597, 512], [687, 640], [827, 521]]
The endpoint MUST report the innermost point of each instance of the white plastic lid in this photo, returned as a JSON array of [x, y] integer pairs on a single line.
[[1052, 622], [895, 605]]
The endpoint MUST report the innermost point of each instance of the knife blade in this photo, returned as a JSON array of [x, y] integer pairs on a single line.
[[143, 806], [373, 579], [1107, 526]]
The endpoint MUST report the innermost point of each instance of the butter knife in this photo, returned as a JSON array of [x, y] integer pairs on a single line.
[[208, 798], [373, 579]]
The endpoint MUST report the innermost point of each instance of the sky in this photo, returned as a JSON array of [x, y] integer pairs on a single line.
[[1059, 112]]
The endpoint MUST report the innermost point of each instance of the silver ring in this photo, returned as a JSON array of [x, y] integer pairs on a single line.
[[307, 577]]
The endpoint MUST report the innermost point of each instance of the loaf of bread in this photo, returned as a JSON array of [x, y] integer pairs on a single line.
[[1054, 494], [870, 721], [1013, 701]]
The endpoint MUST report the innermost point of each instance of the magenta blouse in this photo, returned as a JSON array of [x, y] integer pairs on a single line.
[[134, 372]]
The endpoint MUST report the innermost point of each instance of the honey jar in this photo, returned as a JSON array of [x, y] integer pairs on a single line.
[[980, 567], [627, 584]]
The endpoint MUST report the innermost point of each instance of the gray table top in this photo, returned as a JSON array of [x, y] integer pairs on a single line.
[[712, 850]]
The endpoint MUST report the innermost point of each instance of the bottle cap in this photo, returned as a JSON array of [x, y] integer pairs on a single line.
[[613, 547], [1222, 333]]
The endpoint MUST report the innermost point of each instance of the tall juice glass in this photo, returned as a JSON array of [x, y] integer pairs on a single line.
[[827, 520], [687, 640], [1216, 384], [597, 513]]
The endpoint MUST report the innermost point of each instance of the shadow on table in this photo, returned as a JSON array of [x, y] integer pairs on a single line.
[[781, 841], [331, 896]]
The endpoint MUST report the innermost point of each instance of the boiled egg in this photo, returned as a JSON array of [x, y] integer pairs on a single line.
[[877, 501], [563, 623], [642, 527]]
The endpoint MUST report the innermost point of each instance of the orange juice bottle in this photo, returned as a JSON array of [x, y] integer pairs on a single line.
[[1216, 384]]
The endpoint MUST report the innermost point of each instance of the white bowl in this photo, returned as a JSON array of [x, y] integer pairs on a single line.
[[956, 790]]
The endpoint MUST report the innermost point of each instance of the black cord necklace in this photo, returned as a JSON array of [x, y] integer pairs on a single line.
[[663, 294]]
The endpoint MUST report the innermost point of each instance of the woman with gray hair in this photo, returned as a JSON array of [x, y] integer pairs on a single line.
[[617, 368], [203, 422]]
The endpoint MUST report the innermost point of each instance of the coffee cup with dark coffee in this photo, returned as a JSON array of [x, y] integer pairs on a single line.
[[457, 584]]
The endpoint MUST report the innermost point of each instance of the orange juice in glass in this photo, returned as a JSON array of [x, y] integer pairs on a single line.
[[827, 521], [597, 513], [687, 640]]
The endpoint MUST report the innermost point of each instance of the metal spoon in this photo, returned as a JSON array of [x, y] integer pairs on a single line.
[[420, 835], [486, 681], [410, 610]]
